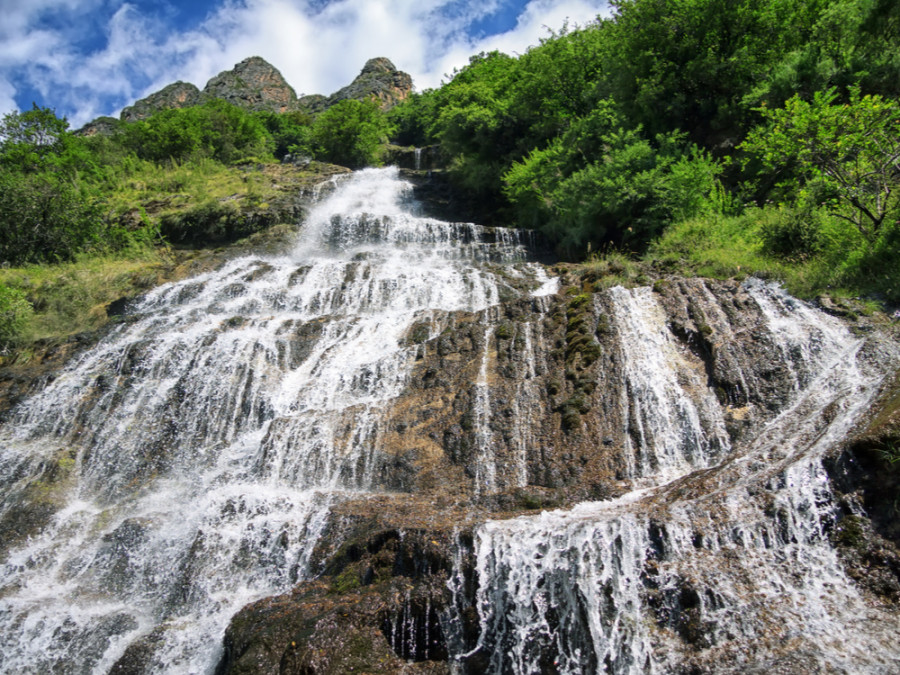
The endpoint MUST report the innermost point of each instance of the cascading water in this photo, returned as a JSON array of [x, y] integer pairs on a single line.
[[189, 463], [726, 569], [191, 458]]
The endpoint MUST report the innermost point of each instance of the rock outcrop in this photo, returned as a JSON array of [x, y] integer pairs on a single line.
[[254, 84], [176, 95], [379, 80], [102, 126]]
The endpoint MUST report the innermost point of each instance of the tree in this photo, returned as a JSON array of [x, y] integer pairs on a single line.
[[350, 133], [32, 139], [847, 155]]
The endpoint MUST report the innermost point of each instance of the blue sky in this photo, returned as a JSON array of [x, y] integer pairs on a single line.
[[87, 58]]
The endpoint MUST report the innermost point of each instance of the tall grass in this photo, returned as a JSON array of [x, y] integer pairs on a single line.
[[810, 252], [72, 297]]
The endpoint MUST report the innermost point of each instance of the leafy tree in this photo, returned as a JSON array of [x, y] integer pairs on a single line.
[[350, 133], [32, 139], [47, 212], [562, 72], [44, 217], [599, 182], [412, 120], [687, 64], [846, 155], [215, 129], [291, 131]]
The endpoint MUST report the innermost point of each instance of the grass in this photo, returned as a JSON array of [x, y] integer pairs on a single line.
[[838, 262], [171, 188], [71, 298]]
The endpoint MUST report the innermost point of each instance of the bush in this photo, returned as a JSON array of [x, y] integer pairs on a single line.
[[44, 218], [215, 129], [790, 233], [15, 311], [350, 133]]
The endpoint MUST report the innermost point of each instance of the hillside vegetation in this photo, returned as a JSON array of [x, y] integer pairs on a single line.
[[712, 136], [717, 137]]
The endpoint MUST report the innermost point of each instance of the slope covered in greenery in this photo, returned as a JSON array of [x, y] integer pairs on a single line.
[[720, 137]]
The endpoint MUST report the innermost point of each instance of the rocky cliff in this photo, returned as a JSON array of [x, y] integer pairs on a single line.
[[379, 80], [253, 84], [176, 95], [407, 449], [575, 415]]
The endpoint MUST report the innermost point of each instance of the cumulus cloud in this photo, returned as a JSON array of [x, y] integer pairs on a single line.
[[318, 46]]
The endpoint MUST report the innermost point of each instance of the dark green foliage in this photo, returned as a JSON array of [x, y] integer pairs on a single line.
[[845, 155], [45, 218], [607, 133], [46, 212], [350, 133], [51, 191], [792, 233], [215, 129], [597, 184], [291, 132], [412, 121]]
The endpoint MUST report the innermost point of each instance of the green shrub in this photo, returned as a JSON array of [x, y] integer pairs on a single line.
[[15, 311], [350, 133], [790, 232]]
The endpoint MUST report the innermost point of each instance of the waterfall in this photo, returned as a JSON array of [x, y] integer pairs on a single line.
[[188, 461], [674, 420], [240, 425], [714, 570]]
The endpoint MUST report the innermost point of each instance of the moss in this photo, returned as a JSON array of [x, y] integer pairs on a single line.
[[419, 333], [504, 331], [849, 532], [346, 581], [571, 420], [578, 301]]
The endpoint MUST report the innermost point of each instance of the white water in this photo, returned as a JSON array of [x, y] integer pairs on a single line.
[[734, 560], [674, 420], [205, 440]]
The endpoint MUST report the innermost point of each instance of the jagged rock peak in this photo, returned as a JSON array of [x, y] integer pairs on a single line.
[[176, 95], [379, 65], [254, 84], [378, 79]]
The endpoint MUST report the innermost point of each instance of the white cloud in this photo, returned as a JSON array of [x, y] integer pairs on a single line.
[[318, 47]]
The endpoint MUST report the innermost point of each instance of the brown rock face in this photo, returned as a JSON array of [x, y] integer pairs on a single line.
[[379, 80], [176, 95], [253, 84]]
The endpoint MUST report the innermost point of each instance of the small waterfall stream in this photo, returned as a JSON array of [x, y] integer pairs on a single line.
[[203, 442]]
